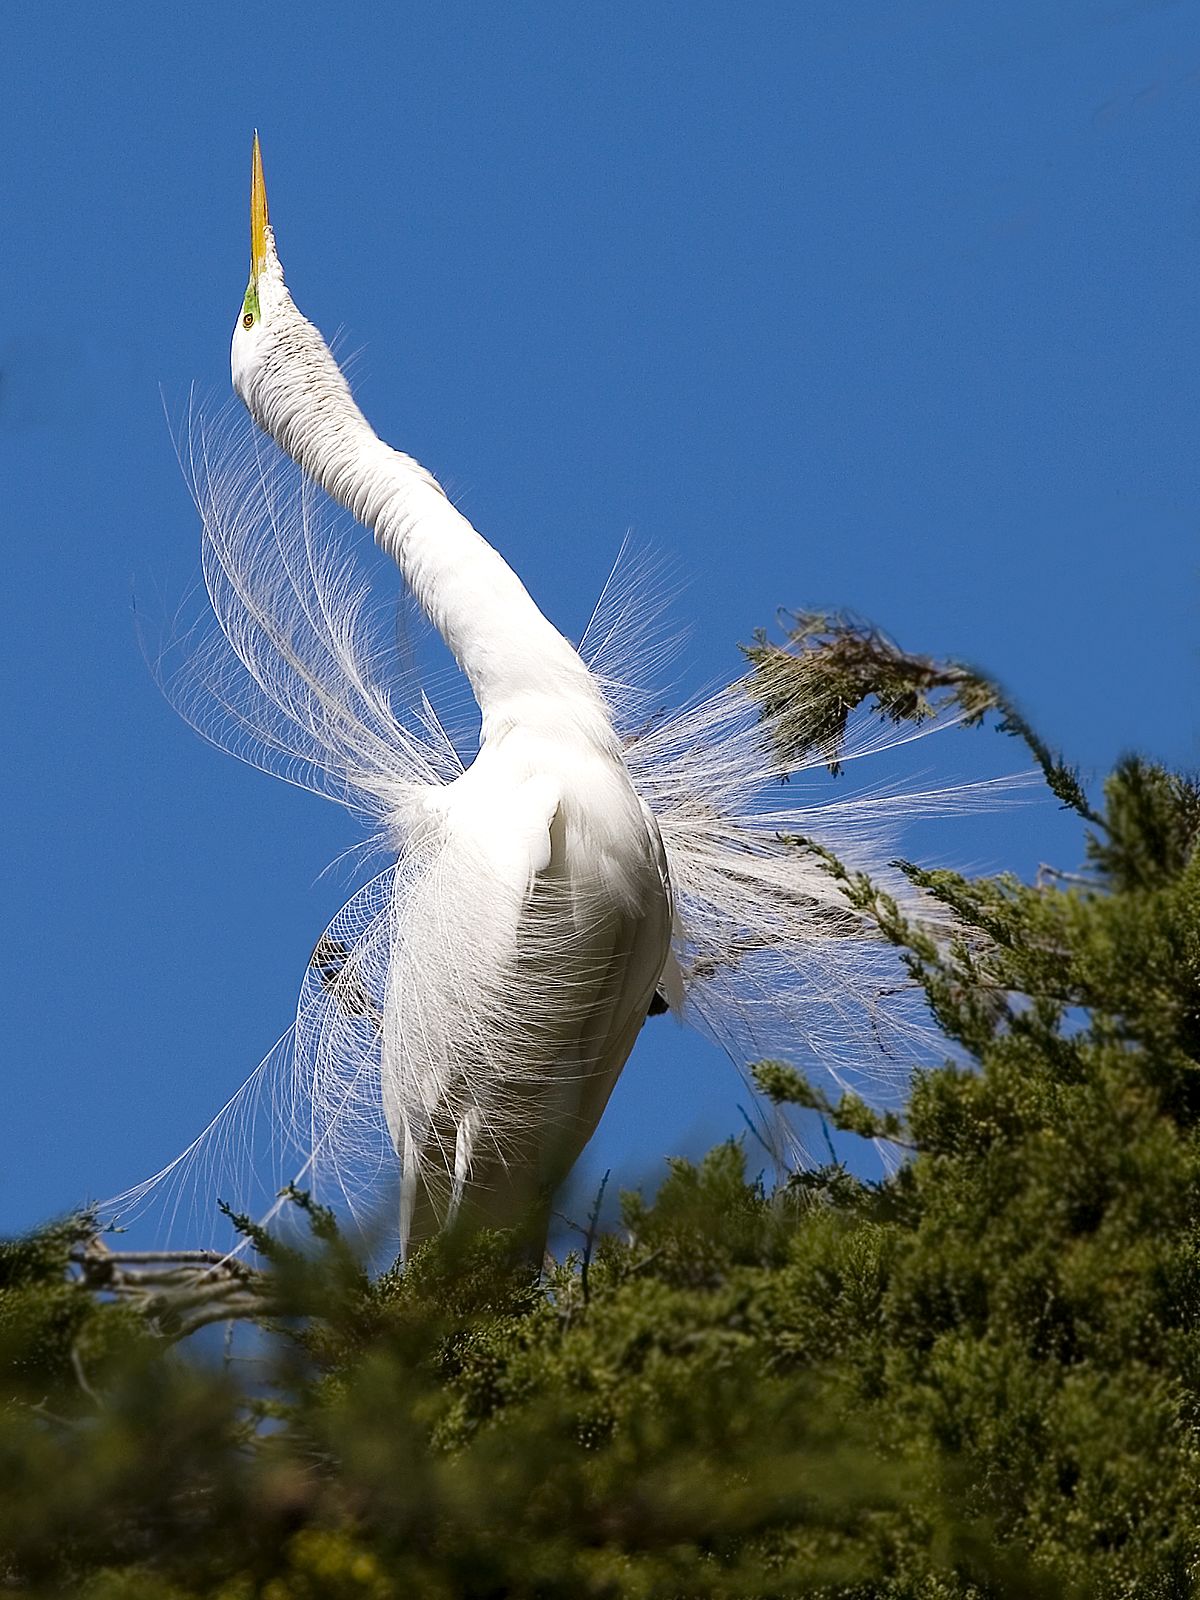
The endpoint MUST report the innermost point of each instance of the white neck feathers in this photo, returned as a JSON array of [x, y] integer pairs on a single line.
[[508, 650]]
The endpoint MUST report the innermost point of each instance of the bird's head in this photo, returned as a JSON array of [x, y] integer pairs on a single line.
[[282, 368], [267, 309]]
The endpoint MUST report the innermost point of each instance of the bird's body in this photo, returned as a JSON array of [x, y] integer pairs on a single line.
[[546, 876], [544, 891]]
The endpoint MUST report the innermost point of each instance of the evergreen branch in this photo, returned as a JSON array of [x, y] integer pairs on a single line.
[[833, 662], [785, 1085]]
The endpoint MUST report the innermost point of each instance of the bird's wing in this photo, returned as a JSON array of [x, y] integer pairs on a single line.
[[465, 1022]]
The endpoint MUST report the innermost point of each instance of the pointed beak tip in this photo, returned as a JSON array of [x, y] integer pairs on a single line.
[[258, 211]]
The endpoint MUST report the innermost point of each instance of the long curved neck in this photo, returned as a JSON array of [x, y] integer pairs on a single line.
[[508, 650]]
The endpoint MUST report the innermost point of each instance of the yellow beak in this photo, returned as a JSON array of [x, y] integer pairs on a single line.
[[258, 214]]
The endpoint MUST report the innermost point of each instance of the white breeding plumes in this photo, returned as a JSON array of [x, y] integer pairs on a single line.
[[471, 1007]]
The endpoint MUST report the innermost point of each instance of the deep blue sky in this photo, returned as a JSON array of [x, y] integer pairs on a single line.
[[882, 305]]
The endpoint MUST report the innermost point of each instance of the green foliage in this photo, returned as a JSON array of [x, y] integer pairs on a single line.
[[52, 1336], [832, 663], [978, 1378], [849, 1113]]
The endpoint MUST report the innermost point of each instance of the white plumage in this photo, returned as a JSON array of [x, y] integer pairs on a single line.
[[539, 869], [472, 1006]]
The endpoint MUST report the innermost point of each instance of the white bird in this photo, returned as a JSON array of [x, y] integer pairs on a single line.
[[541, 868], [472, 1007]]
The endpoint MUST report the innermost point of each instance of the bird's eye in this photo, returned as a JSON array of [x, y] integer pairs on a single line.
[[248, 320]]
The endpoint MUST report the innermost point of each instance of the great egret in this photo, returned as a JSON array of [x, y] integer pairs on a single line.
[[472, 1007], [543, 871]]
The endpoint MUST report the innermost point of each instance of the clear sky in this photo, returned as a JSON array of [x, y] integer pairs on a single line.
[[889, 306]]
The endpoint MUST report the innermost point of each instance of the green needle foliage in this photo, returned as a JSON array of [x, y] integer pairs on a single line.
[[832, 663], [980, 1377]]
